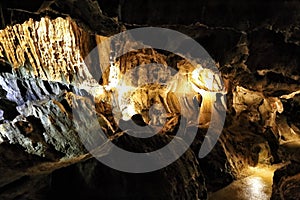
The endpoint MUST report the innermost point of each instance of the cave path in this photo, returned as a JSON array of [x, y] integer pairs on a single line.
[[256, 186]]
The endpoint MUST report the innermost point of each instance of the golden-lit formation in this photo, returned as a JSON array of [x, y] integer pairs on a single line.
[[49, 49], [55, 51], [129, 99]]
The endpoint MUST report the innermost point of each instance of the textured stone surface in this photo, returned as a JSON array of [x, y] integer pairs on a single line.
[[43, 122], [93, 180], [86, 13], [48, 49], [42, 48], [286, 182]]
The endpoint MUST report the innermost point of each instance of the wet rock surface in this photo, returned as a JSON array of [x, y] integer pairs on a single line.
[[256, 184], [43, 46]]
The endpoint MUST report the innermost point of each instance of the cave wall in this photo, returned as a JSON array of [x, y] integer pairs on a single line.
[[256, 46]]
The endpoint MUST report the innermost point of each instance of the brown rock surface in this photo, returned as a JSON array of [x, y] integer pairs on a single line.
[[43, 46]]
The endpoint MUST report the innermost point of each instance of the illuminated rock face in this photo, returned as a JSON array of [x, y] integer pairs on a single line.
[[46, 49], [42, 68], [47, 78], [46, 60]]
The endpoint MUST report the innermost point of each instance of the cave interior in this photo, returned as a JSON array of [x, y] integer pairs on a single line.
[[66, 88]]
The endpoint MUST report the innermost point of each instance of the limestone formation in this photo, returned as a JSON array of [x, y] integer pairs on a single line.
[[55, 96]]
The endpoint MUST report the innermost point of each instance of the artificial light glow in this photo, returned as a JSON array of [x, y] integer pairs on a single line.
[[202, 78], [207, 80], [260, 182], [114, 76], [256, 186], [185, 85], [122, 102], [98, 92], [266, 172], [180, 84], [128, 112], [206, 83]]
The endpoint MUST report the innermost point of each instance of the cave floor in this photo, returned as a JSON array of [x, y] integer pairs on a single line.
[[256, 185]]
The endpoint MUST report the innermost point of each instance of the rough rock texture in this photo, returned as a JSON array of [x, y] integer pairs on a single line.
[[86, 12], [93, 180], [286, 182], [43, 76], [43, 124], [48, 49]]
